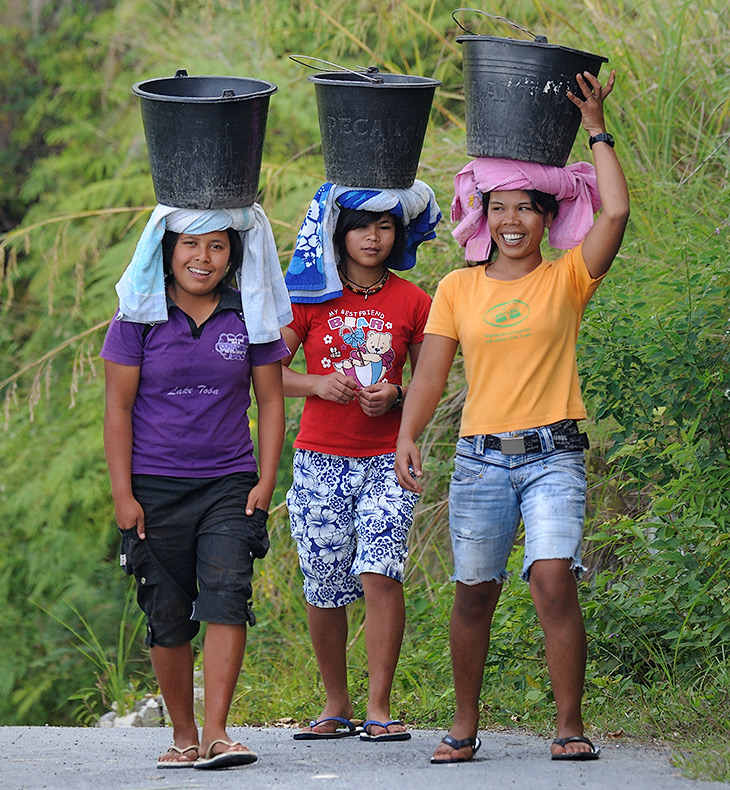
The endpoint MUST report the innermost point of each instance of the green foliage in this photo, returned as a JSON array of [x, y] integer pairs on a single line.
[[681, 333], [114, 686], [663, 608], [75, 191]]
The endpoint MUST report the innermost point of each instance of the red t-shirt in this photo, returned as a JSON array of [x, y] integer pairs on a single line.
[[367, 339]]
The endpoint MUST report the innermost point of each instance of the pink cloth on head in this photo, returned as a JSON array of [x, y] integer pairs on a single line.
[[574, 187]]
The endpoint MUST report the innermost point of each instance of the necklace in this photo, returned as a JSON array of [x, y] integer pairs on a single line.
[[359, 289]]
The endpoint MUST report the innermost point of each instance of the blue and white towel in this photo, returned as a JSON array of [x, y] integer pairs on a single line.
[[312, 274], [264, 298]]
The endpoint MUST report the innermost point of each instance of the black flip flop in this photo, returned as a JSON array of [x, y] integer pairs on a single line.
[[384, 736], [593, 754], [475, 744]]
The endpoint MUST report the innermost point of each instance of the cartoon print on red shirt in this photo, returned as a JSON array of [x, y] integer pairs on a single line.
[[367, 351]]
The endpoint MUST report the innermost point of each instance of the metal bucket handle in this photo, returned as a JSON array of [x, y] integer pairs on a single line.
[[537, 39], [367, 73]]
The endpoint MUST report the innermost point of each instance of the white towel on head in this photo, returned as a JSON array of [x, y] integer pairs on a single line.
[[264, 297]]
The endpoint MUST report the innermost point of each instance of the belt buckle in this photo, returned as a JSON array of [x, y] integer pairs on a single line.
[[512, 445]]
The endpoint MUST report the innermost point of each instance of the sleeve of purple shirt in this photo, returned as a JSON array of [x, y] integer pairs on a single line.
[[123, 343], [266, 353]]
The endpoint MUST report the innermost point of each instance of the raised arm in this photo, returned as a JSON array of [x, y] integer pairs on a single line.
[[604, 238], [427, 386]]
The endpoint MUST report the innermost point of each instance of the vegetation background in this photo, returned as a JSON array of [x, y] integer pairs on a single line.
[[75, 192]]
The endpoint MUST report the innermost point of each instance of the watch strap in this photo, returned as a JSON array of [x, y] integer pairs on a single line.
[[603, 137]]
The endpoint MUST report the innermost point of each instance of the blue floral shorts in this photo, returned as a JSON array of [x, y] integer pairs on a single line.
[[348, 516]]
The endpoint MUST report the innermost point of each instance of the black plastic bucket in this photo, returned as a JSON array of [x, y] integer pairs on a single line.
[[205, 137], [515, 93], [372, 126]]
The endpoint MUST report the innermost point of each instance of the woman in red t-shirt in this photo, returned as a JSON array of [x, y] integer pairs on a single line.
[[349, 516]]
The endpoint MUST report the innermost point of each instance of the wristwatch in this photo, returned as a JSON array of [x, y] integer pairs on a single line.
[[603, 137], [398, 397]]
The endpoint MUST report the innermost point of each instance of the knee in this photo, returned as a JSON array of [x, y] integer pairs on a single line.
[[477, 600], [555, 595], [376, 586]]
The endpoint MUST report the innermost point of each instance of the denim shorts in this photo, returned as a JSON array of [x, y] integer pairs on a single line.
[[491, 493], [196, 562], [348, 516]]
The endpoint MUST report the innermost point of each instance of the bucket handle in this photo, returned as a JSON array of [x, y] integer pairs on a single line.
[[368, 74], [537, 39]]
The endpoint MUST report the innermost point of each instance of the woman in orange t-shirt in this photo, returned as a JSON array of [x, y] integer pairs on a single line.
[[520, 455]]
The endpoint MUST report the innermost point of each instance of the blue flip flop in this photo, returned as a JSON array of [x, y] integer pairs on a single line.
[[385, 736], [347, 729]]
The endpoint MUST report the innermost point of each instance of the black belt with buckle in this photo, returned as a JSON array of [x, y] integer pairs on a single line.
[[565, 437]]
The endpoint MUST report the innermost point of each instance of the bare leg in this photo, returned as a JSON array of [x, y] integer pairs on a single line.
[[471, 619], [555, 595], [222, 658], [174, 671], [328, 632], [385, 618]]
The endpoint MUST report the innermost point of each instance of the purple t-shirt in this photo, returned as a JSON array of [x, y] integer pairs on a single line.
[[190, 415]]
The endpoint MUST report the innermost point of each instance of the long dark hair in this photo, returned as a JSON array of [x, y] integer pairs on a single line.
[[353, 218], [169, 240], [541, 202]]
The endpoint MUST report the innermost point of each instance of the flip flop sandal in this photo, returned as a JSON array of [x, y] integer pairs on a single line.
[[178, 763], [226, 759], [385, 736], [475, 744], [347, 729], [593, 754]]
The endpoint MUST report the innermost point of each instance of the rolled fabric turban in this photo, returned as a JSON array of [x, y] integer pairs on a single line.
[[574, 187]]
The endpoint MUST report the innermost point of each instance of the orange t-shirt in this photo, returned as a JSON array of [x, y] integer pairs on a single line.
[[518, 340]]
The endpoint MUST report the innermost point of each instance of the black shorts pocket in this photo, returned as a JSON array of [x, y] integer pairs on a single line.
[[258, 534], [139, 560]]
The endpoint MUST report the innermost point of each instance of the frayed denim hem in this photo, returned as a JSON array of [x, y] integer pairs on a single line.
[[500, 578], [575, 565]]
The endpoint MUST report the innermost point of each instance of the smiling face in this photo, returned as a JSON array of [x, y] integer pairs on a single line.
[[199, 263], [367, 248], [516, 226]]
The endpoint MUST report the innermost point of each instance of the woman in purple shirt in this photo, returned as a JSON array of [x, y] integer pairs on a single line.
[[189, 503]]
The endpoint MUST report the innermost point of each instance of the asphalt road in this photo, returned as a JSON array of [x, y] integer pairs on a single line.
[[51, 758]]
